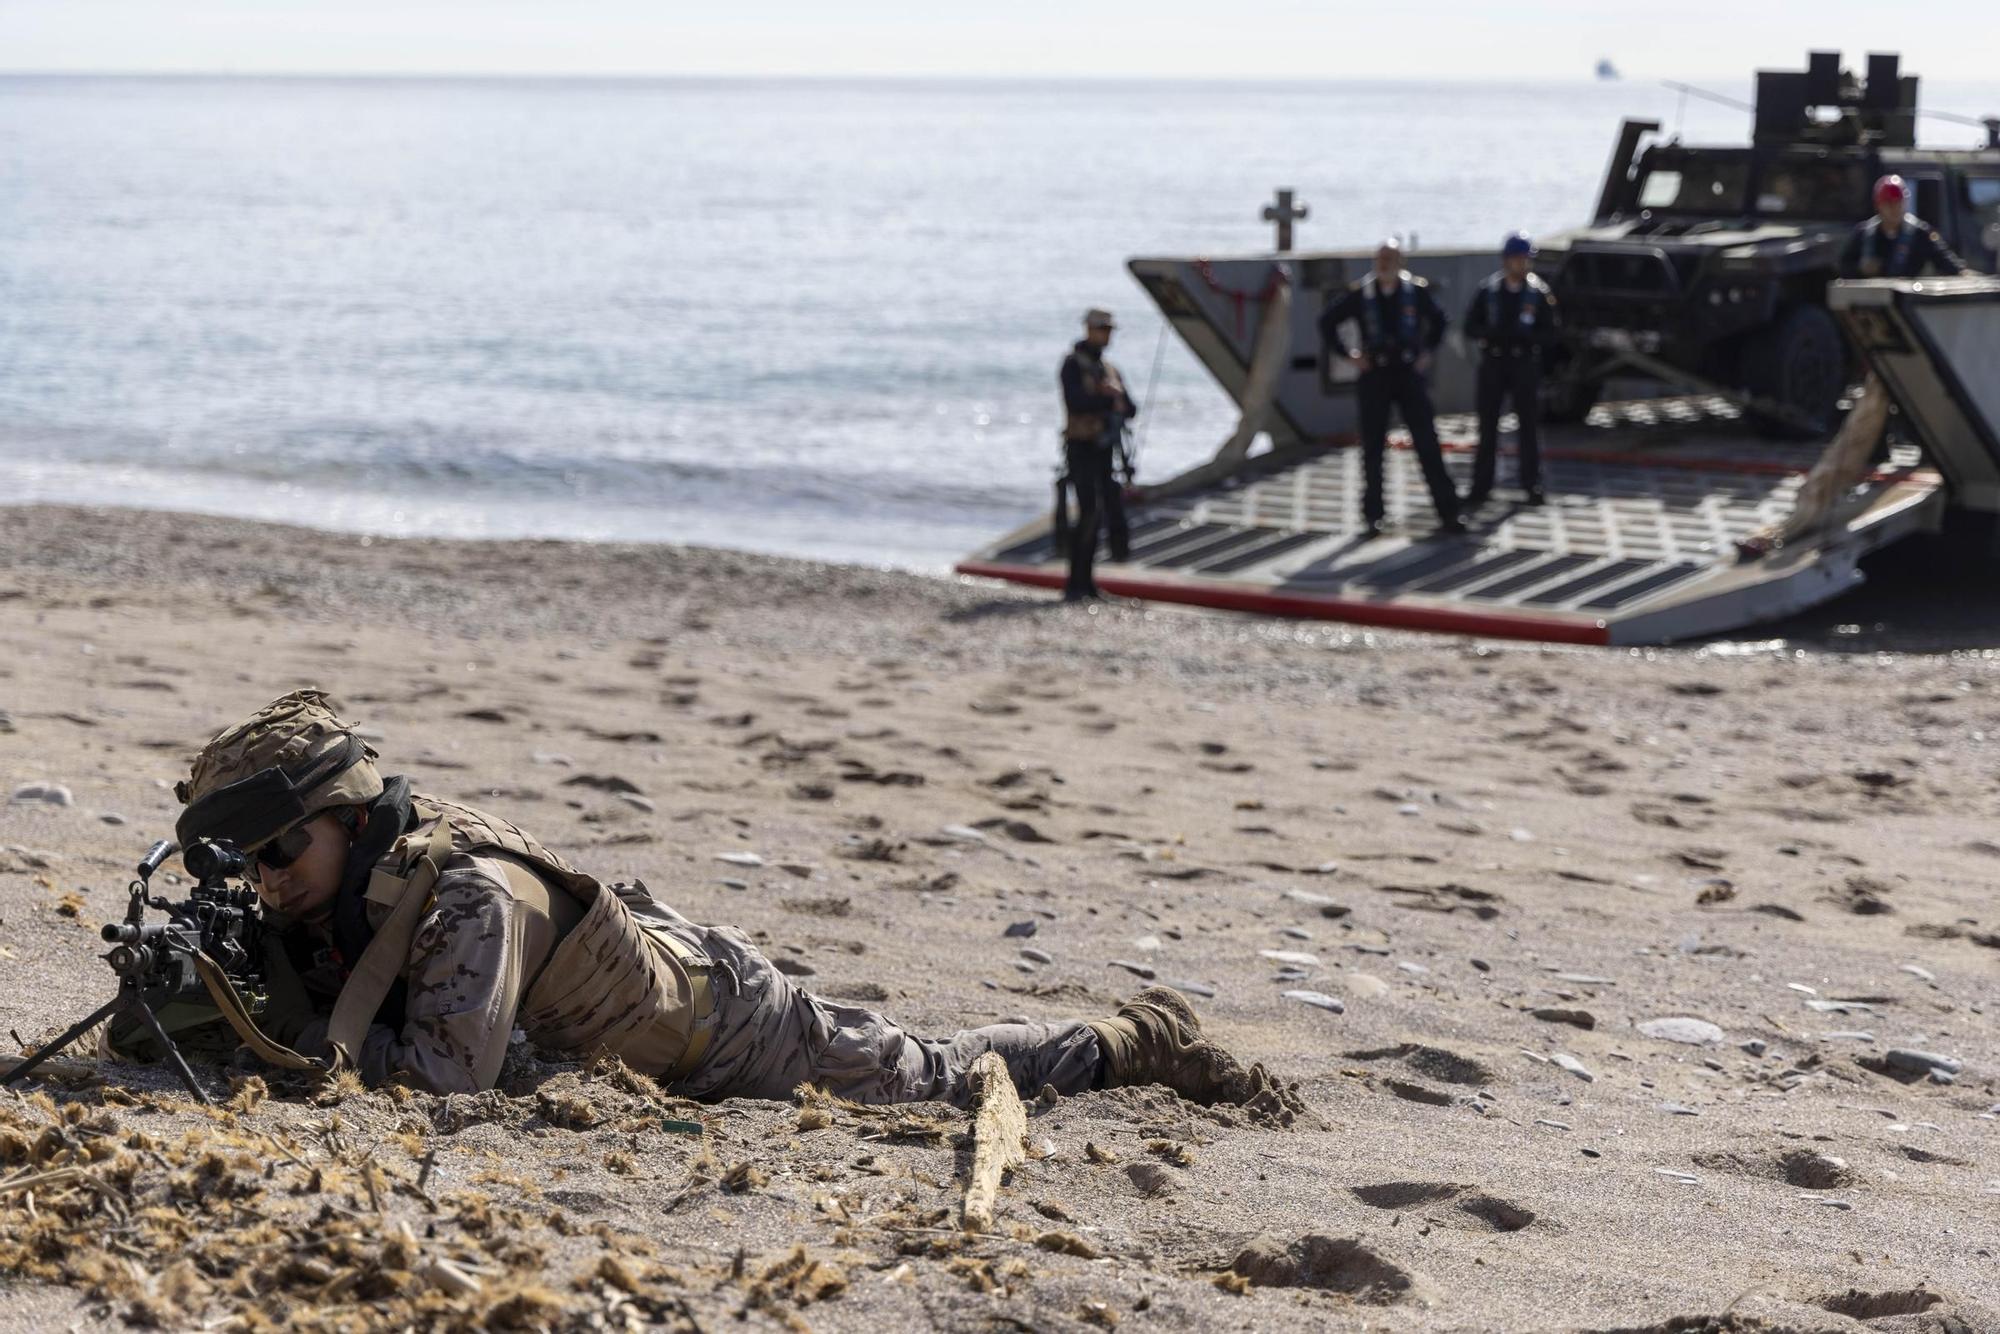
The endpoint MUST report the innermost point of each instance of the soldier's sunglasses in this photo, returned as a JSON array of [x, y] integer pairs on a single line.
[[283, 850]]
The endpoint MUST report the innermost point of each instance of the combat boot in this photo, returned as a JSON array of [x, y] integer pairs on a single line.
[[1156, 1039]]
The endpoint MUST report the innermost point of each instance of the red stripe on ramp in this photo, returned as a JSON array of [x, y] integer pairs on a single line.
[[1241, 597]]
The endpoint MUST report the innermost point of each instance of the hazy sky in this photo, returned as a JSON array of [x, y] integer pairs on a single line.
[[1715, 39]]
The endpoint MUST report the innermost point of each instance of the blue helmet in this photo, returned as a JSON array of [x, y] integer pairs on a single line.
[[1517, 243]]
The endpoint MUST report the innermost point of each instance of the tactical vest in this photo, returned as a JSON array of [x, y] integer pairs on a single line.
[[1406, 342], [1533, 292], [1898, 263], [1099, 377], [610, 983]]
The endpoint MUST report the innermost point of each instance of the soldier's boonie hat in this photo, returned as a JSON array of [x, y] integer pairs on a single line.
[[1098, 318], [288, 762]]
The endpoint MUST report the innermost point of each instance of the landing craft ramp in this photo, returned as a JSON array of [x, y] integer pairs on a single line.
[[1647, 502]]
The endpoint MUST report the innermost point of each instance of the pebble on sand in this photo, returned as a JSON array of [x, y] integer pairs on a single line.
[[1318, 998], [1921, 1062], [1574, 1066], [1693, 1032], [1299, 957], [1033, 955], [1022, 929], [740, 858], [1685, 1178], [54, 794]]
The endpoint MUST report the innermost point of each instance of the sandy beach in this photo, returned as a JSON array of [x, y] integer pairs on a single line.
[[1590, 964]]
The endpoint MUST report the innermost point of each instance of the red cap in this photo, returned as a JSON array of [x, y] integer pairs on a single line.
[[1892, 189]]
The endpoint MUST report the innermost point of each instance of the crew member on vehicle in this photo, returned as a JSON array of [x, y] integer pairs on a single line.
[[1896, 243], [1512, 321], [412, 935], [1095, 410], [1401, 326]]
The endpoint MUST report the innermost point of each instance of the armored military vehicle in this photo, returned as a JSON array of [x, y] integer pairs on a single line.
[[1708, 266]]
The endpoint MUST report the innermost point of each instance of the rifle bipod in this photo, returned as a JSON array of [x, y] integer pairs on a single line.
[[130, 999]]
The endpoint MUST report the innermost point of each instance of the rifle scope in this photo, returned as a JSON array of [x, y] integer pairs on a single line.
[[209, 859]]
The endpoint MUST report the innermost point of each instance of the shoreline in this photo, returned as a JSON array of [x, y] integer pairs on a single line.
[[1915, 602]]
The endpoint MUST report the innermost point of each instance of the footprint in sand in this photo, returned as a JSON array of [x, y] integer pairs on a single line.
[[1482, 1209], [1435, 1062]]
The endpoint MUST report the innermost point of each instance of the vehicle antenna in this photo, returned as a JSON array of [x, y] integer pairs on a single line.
[[1685, 88], [1990, 124]]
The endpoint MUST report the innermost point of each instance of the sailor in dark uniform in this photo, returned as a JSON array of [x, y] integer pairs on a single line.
[[1095, 410], [1400, 326], [1896, 243], [1512, 320]]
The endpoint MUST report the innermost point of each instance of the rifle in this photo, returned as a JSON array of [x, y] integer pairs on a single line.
[[1126, 464], [207, 955]]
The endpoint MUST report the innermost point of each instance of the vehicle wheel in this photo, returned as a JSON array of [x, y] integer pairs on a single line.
[[1566, 395], [1797, 360]]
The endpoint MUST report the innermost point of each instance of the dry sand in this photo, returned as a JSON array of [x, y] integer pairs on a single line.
[[1451, 837]]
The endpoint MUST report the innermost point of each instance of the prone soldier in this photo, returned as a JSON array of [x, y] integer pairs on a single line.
[[1512, 320], [1401, 327], [409, 936]]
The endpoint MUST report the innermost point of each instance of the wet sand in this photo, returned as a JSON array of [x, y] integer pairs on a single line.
[[1507, 863]]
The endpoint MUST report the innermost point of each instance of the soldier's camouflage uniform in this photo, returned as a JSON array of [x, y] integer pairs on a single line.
[[447, 928], [458, 927], [484, 955]]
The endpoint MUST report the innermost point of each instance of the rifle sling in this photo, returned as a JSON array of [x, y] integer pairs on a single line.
[[383, 961], [230, 1002]]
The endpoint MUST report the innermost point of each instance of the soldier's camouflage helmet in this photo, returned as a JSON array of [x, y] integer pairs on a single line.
[[288, 762]]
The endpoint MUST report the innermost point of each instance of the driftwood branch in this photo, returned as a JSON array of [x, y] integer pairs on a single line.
[[999, 1138]]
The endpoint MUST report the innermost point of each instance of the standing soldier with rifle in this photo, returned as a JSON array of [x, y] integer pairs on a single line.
[[1512, 320], [1096, 407]]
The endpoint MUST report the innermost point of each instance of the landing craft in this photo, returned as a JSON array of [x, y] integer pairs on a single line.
[[1707, 354]]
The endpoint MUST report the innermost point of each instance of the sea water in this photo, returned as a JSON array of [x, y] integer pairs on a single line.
[[817, 318]]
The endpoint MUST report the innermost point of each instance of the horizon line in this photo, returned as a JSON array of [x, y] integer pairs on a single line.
[[909, 76]]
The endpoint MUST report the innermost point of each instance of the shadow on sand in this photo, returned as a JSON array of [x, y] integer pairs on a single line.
[[1922, 596]]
